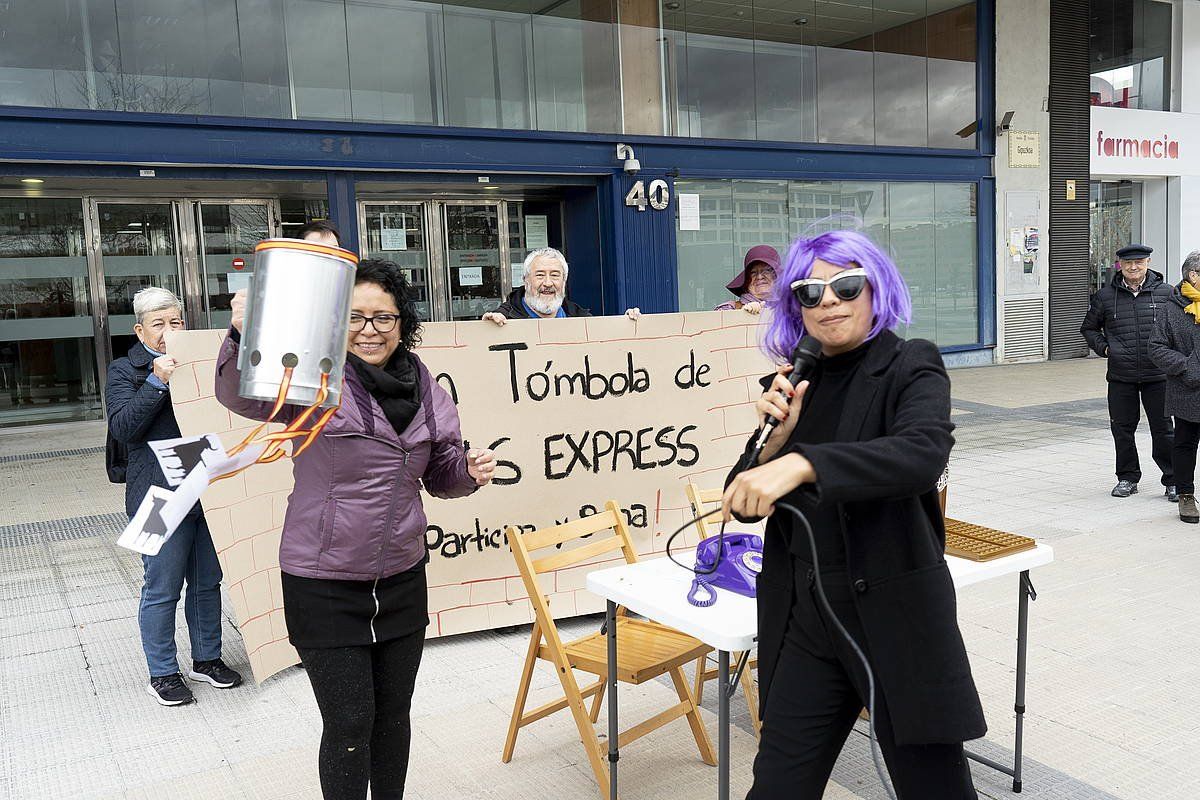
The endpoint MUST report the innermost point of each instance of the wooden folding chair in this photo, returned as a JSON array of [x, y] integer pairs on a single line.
[[645, 649], [701, 501]]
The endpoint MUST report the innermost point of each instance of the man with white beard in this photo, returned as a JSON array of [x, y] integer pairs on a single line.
[[544, 294]]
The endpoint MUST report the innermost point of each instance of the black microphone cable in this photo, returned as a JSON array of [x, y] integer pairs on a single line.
[[825, 606]]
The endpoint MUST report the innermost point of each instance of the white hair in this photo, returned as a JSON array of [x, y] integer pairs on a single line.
[[154, 298], [544, 252]]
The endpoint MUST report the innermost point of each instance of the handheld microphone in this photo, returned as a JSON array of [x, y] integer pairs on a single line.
[[804, 358]]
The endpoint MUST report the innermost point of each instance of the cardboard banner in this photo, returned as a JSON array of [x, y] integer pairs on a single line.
[[579, 411]]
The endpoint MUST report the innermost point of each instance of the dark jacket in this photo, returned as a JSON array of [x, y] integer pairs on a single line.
[[1118, 325], [138, 413], [514, 308], [881, 473], [1173, 346], [355, 512]]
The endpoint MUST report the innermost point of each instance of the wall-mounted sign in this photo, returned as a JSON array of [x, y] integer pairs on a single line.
[[689, 211], [1024, 149], [239, 263], [657, 196], [1131, 142]]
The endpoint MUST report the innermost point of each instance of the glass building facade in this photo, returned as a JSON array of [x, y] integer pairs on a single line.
[[929, 228], [153, 143], [891, 72], [1130, 54]]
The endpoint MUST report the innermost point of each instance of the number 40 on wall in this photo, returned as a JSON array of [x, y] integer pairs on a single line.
[[658, 196]]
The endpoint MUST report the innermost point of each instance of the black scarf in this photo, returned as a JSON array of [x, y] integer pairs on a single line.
[[396, 386]]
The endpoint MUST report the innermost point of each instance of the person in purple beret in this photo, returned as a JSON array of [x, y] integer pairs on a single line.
[[753, 285]]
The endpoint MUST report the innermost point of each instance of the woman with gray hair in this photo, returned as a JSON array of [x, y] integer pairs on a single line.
[[138, 401], [1174, 347]]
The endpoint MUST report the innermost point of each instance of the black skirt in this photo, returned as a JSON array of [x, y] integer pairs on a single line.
[[323, 612]]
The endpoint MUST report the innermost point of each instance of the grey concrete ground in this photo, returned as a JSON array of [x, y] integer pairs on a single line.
[[1112, 678]]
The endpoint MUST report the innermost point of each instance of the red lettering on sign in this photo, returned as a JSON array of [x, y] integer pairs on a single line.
[[1136, 148]]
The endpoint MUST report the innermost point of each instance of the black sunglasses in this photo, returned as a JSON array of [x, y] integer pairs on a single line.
[[845, 285]]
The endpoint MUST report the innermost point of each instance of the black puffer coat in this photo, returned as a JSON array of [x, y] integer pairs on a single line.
[[1175, 347], [139, 413], [1119, 325]]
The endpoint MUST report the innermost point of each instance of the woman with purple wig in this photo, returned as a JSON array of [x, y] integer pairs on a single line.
[[859, 448]]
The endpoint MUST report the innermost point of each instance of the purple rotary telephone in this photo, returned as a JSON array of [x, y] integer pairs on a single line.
[[731, 564]]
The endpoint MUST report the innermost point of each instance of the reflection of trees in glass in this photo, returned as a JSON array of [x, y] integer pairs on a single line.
[[1112, 224], [106, 87]]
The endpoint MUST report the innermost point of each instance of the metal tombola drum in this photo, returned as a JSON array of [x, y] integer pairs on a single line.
[[297, 315]]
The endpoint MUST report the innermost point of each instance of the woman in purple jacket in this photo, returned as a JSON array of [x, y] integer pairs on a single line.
[[353, 547]]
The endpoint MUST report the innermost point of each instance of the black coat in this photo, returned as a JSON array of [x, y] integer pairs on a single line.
[[881, 473], [1119, 325], [138, 413], [1175, 348], [514, 307]]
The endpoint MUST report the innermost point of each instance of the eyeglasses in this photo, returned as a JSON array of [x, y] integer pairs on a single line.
[[382, 323], [762, 272], [845, 285]]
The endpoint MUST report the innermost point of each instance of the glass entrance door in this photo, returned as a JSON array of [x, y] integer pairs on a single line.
[[462, 256], [202, 250], [138, 247], [1116, 220], [226, 233], [69, 268], [48, 359], [473, 258], [398, 232]]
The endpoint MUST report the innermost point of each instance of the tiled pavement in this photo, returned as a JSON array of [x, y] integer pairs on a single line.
[[1113, 658]]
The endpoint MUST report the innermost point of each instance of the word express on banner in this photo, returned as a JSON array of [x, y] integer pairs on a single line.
[[161, 512], [178, 457]]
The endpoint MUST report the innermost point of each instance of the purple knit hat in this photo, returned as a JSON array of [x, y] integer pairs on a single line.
[[759, 253]]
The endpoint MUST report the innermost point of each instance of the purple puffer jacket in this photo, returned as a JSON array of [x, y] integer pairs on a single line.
[[355, 512]]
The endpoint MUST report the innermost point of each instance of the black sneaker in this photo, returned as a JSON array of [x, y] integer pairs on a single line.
[[214, 672], [170, 690], [1124, 489], [1171, 494]]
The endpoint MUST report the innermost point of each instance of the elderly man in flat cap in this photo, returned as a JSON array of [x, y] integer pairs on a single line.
[[1118, 326]]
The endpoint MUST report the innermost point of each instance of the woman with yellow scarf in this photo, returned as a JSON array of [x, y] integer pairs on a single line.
[[1175, 348]]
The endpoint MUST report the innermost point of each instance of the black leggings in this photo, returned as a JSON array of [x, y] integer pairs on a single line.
[[364, 694], [816, 693]]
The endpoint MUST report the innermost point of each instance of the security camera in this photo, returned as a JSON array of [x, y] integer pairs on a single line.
[[629, 161], [1005, 123]]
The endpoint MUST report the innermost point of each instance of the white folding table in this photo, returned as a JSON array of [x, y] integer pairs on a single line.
[[657, 589]]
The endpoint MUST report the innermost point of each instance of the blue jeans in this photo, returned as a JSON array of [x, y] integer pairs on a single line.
[[188, 555]]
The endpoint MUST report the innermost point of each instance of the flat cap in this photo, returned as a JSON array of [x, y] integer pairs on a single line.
[[1133, 251]]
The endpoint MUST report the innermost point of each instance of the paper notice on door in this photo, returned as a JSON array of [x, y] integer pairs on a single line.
[[689, 212], [536, 232], [238, 281], [393, 239], [470, 276]]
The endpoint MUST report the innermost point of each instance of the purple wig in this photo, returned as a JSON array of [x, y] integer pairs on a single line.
[[890, 301]]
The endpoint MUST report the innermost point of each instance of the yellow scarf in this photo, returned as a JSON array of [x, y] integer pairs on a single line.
[[1193, 294]]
